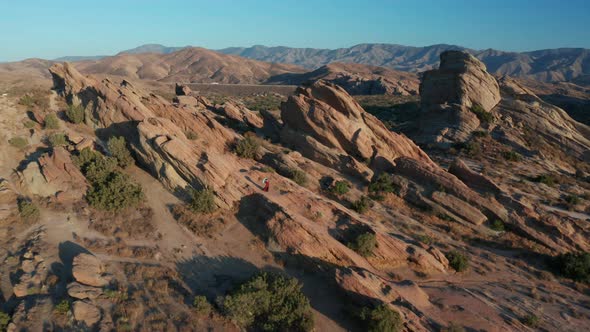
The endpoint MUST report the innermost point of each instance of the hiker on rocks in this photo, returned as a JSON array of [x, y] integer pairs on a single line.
[[266, 182]]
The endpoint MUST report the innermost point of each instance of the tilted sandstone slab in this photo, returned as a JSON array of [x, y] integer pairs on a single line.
[[323, 114]]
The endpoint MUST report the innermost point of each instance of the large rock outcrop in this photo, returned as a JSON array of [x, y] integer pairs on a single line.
[[54, 175], [327, 125], [450, 92]]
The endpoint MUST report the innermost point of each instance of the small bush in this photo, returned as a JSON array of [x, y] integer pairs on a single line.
[[547, 179], [426, 239], [4, 320], [267, 169], [18, 142], [114, 193], [269, 302], [248, 147], [118, 149], [51, 121], [382, 184], [57, 139], [100, 169], [458, 261], [29, 124], [191, 135], [511, 156], [203, 201], [381, 319], [364, 244], [202, 306], [35, 97], [575, 266], [361, 205], [472, 148], [572, 200], [27, 210], [482, 115], [62, 308], [498, 225], [75, 113], [531, 320], [298, 176], [340, 187]]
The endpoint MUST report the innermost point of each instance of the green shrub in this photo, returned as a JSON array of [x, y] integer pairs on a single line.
[[511, 156], [361, 205], [62, 308], [269, 302], [109, 189], [547, 179], [248, 147], [482, 115], [472, 148], [51, 121], [498, 225], [4, 320], [75, 113], [381, 319], [203, 201], [572, 200], [201, 305], [267, 169], [340, 187], [35, 97], [364, 244], [29, 124], [531, 320], [382, 184], [114, 193], [191, 135], [426, 239], [57, 139], [458, 261], [118, 149], [18, 142], [27, 210], [298, 176], [480, 133], [575, 266], [99, 170]]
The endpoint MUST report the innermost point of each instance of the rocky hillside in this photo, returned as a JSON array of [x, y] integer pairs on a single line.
[[357, 79], [123, 210], [187, 65]]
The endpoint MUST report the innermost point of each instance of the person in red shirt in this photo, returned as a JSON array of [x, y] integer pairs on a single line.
[[266, 182]]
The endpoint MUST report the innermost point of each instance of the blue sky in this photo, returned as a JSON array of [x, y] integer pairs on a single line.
[[49, 29]]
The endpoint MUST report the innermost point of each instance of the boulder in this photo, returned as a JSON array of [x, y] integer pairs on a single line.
[[82, 292], [88, 270], [86, 313], [182, 90]]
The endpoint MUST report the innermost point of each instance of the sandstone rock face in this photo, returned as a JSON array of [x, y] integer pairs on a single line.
[[182, 90], [88, 270], [449, 92], [472, 179], [522, 111], [82, 292], [324, 118], [240, 113], [54, 174], [460, 79], [86, 313]]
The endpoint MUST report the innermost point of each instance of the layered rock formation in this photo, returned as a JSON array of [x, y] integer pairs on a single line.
[[327, 125], [449, 95]]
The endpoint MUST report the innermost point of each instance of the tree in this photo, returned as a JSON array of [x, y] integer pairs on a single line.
[[458, 261], [364, 244], [203, 201], [248, 147], [381, 319], [114, 193]]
